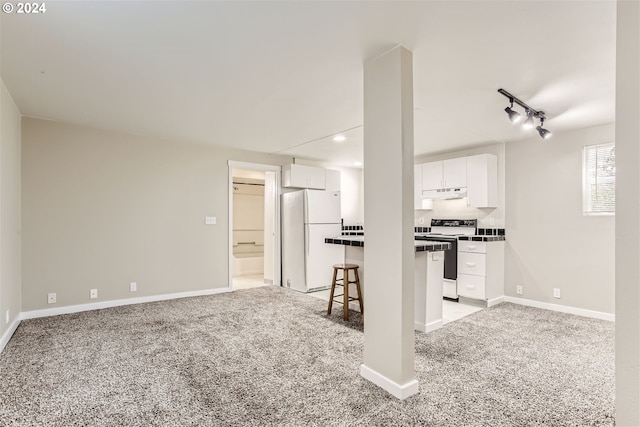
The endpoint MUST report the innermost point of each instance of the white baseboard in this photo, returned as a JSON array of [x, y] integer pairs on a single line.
[[428, 327], [116, 303], [396, 390], [562, 308], [495, 301], [9, 333]]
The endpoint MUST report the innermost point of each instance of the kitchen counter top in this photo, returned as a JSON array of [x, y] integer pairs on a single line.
[[482, 238], [420, 245]]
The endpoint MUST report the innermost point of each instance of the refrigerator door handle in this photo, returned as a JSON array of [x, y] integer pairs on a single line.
[[306, 243]]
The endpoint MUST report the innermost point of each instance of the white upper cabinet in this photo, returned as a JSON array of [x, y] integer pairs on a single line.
[[454, 172], [432, 176], [303, 176], [451, 173], [482, 179]]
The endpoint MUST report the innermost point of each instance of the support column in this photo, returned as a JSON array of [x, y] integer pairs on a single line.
[[627, 214], [388, 215]]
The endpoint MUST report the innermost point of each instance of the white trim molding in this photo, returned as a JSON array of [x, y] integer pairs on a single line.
[[117, 303], [9, 332], [495, 301], [396, 390], [431, 326], [232, 164], [562, 308]]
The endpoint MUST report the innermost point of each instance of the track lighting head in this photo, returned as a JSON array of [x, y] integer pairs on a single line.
[[514, 116], [544, 133], [528, 122]]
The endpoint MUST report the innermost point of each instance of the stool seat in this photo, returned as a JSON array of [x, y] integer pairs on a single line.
[[343, 266], [344, 282]]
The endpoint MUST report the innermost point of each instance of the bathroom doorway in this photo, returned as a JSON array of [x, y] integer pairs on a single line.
[[254, 243]]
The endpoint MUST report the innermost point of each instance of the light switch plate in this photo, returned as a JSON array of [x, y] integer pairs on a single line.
[[210, 220]]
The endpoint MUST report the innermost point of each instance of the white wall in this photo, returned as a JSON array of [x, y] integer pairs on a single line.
[[10, 205], [102, 209], [550, 243], [352, 195], [488, 217]]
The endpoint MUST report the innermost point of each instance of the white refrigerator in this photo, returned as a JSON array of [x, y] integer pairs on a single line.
[[308, 217]]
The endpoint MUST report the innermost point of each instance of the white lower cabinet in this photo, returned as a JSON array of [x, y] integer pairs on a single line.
[[481, 270], [470, 286]]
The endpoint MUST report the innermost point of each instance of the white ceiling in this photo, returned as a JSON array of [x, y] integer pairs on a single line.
[[284, 77]]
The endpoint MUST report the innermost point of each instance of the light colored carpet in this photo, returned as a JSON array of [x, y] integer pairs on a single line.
[[271, 356]]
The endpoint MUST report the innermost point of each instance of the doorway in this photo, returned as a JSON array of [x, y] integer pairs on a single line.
[[254, 218]]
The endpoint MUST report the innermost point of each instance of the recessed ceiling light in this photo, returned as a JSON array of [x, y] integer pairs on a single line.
[[357, 163], [339, 138]]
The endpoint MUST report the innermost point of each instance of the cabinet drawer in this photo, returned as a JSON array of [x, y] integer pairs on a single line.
[[471, 286], [471, 263], [471, 246]]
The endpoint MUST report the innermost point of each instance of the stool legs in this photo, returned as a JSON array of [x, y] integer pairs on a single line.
[[345, 294], [346, 299], [333, 290], [359, 292]]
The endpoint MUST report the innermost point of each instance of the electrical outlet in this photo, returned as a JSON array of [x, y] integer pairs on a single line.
[[133, 287], [51, 298], [7, 317], [519, 290], [556, 292], [421, 220], [93, 294], [210, 220]]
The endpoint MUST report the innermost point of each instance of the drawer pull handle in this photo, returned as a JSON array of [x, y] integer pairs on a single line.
[[471, 247], [471, 286], [471, 264]]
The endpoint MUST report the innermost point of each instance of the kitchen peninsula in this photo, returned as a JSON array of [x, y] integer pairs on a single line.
[[429, 269]]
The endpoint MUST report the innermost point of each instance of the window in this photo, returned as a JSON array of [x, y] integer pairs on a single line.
[[599, 179]]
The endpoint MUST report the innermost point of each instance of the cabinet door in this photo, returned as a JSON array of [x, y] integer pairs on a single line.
[[455, 173], [302, 176], [482, 173], [432, 176]]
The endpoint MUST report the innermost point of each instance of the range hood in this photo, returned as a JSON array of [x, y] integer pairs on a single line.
[[445, 193]]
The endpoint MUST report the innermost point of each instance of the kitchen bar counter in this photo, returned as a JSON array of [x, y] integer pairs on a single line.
[[482, 238], [429, 272], [421, 245]]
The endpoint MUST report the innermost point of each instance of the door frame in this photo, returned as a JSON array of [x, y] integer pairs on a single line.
[[277, 272]]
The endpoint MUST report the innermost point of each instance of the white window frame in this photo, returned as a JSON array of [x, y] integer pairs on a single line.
[[587, 182]]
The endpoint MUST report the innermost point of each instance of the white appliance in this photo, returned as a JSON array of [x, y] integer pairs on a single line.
[[308, 217], [448, 230]]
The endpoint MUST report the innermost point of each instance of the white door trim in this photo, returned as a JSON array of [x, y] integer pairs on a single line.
[[276, 250]]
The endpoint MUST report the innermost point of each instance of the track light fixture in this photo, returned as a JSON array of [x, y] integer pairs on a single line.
[[544, 133], [530, 115], [514, 116], [528, 121]]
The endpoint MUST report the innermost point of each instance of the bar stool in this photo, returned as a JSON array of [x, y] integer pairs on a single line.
[[344, 282]]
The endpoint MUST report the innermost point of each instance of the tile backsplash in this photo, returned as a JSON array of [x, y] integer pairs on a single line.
[[353, 230]]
